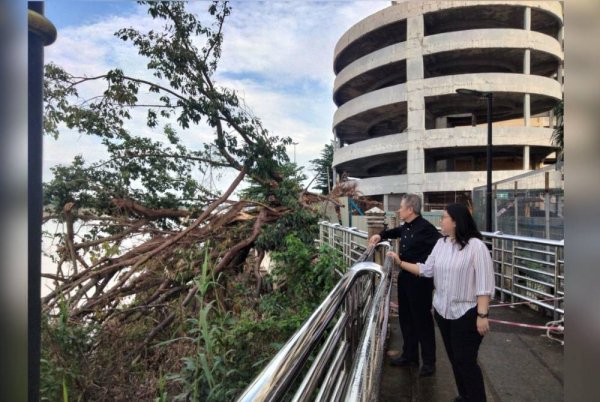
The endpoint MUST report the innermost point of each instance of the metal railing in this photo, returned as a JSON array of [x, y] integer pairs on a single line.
[[526, 268], [345, 335], [351, 242], [529, 269]]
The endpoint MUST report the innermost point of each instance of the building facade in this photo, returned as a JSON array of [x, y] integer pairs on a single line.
[[401, 126]]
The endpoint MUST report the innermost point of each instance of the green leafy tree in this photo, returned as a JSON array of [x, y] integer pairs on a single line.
[[323, 167], [150, 186], [558, 133], [132, 273], [158, 173]]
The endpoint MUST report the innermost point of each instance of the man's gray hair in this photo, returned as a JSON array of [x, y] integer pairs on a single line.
[[413, 201]]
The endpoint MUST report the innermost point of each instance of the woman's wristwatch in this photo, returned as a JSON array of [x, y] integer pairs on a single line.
[[482, 315]]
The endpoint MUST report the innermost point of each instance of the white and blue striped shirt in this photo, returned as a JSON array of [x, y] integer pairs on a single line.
[[459, 276]]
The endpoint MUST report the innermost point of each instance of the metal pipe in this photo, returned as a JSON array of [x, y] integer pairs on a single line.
[[366, 370], [273, 381], [309, 384], [488, 190]]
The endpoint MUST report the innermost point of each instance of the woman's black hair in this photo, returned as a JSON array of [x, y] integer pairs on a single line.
[[465, 224]]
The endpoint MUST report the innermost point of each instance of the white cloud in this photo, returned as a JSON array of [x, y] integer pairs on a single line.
[[277, 55], [289, 40]]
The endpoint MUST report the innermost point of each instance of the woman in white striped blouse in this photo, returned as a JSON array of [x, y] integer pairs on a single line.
[[461, 267]]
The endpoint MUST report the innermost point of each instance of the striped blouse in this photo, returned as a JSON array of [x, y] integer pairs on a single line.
[[459, 276]]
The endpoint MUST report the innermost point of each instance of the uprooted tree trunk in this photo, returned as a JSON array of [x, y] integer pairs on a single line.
[[145, 274]]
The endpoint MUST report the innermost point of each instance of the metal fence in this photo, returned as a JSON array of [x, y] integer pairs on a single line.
[[530, 204], [343, 340], [529, 269], [526, 268], [351, 242]]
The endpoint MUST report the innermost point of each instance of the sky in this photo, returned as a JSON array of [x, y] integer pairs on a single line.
[[277, 54]]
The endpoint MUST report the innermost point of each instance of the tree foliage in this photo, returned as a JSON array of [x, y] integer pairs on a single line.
[[139, 224], [558, 133], [323, 166], [184, 89]]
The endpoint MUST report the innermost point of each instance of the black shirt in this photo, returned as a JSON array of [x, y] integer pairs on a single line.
[[417, 239]]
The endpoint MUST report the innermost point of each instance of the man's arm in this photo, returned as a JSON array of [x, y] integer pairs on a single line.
[[385, 234], [391, 233]]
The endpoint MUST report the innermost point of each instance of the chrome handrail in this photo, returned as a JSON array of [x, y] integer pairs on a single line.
[[533, 240], [366, 371], [276, 378], [527, 269]]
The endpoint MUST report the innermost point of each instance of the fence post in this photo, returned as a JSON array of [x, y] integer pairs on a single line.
[[375, 218], [502, 271], [512, 273], [556, 281], [516, 208], [321, 234]]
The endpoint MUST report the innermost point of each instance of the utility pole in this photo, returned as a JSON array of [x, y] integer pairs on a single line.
[[489, 154], [294, 144]]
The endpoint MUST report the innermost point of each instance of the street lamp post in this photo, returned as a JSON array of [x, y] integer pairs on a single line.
[[41, 32], [294, 144], [488, 189]]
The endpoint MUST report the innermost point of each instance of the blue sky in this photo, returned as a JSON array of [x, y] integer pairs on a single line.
[[67, 13], [278, 55]]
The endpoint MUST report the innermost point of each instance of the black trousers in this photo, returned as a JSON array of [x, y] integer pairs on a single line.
[[416, 320], [462, 341]]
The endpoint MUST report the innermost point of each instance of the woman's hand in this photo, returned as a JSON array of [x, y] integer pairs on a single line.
[[395, 256], [483, 326]]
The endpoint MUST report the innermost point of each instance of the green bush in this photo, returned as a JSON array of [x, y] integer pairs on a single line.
[[65, 345]]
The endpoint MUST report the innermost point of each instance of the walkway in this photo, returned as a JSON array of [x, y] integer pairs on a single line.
[[519, 364]]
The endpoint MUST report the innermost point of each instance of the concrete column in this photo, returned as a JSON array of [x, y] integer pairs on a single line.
[[441, 122], [527, 69], [559, 73], [337, 142], [416, 104], [335, 177], [527, 110], [527, 19], [375, 226], [526, 157], [375, 223], [527, 97], [415, 73], [415, 163]]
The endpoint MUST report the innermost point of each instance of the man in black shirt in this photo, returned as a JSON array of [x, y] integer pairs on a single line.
[[417, 238]]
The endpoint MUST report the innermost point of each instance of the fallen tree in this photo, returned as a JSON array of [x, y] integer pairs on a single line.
[[140, 229], [146, 189]]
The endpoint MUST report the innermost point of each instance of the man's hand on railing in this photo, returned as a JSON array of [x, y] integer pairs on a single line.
[[374, 240]]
